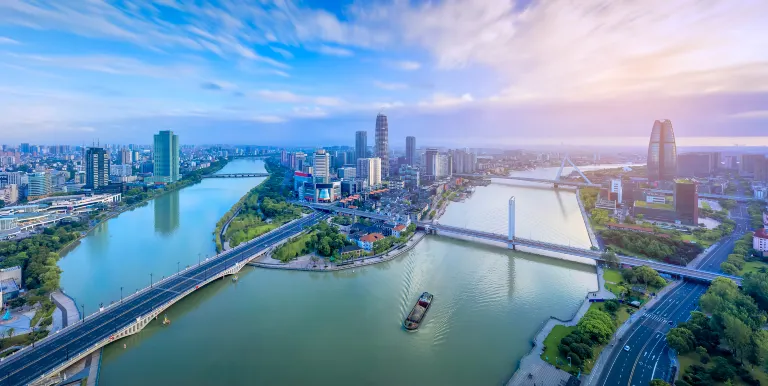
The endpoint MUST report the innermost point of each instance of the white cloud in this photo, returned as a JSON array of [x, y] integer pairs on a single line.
[[445, 100], [390, 86], [309, 112], [5, 40], [335, 51], [289, 97], [285, 53], [109, 64], [754, 114], [268, 119], [406, 65]]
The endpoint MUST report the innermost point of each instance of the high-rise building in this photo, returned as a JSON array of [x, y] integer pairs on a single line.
[[662, 152], [361, 145], [616, 190], [410, 176], [410, 151], [686, 198], [696, 164], [24, 148], [751, 165], [347, 173], [382, 143], [39, 184], [443, 166], [370, 170], [125, 157], [96, 168], [166, 157], [464, 162], [322, 166], [430, 158]]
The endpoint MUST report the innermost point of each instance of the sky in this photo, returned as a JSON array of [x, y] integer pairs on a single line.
[[451, 73]]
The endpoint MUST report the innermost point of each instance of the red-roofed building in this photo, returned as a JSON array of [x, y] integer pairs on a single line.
[[398, 229], [366, 242], [760, 240]]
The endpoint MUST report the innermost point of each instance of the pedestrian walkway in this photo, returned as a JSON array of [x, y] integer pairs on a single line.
[[66, 312]]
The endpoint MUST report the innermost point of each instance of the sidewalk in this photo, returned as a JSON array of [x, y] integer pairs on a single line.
[[66, 312], [535, 371], [592, 377]]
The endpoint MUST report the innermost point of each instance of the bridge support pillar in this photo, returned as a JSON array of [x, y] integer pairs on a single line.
[[511, 229]]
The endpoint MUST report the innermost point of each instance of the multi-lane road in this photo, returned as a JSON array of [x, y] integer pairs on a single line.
[[648, 356], [33, 362]]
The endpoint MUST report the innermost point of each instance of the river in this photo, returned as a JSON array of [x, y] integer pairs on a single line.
[[281, 327]]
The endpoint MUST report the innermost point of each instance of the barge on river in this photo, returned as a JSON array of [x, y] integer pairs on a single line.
[[419, 311]]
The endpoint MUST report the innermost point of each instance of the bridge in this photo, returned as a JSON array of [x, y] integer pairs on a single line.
[[556, 182], [511, 240], [236, 175], [42, 364]]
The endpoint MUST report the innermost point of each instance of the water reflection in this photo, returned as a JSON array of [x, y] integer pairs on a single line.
[[167, 213]]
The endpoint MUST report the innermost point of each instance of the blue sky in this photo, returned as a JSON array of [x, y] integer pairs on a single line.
[[454, 72]]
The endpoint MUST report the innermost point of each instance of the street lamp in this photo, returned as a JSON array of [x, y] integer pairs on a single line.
[[569, 361], [121, 295], [177, 267], [150, 280], [83, 306]]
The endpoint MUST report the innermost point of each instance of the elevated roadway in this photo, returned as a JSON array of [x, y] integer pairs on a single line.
[[41, 364], [556, 182]]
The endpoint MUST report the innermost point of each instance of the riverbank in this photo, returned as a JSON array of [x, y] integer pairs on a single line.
[[532, 370], [305, 264], [588, 224]]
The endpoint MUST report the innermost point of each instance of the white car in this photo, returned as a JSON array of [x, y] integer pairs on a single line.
[[626, 348]]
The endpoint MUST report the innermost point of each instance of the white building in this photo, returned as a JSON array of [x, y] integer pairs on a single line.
[[616, 188], [10, 194], [322, 166], [347, 173], [760, 240], [370, 169]]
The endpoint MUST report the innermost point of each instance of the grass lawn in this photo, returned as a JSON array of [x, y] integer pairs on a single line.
[[551, 355], [753, 266], [693, 239], [253, 232], [612, 276], [291, 250]]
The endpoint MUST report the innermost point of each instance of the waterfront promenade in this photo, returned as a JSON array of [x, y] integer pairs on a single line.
[[131, 314], [535, 371]]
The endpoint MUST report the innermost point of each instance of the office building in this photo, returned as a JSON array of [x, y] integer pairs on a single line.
[[166, 157], [347, 173], [616, 193], [382, 143], [9, 194], [662, 152], [370, 170], [39, 184], [120, 170], [24, 148], [430, 162], [410, 151], [15, 178], [361, 145], [686, 198], [322, 166], [125, 157], [96, 168], [696, 164]]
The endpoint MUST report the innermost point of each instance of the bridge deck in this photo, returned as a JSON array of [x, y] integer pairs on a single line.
[[31, 363]]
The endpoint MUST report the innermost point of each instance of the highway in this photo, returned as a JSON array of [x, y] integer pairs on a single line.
[[29, 364], [649, 356]]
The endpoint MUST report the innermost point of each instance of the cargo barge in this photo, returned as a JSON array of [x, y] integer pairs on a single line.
[[419, 311]]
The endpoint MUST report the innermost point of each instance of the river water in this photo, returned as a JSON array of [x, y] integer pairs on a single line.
[[284, 328]]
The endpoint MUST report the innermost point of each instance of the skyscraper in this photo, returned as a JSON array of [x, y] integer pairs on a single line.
[[322, 164], [39, 184], [166, 157], [96, 168], [662, 152], [125, 157], [430, 162], [382, 143], [361, 145], [370, 169], [410, 151], [686, 197]]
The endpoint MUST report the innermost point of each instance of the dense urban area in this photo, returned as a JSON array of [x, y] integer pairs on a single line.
[[651, 216]]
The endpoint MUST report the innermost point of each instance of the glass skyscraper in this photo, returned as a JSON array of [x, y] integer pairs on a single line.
[[361, 145], [662, 152], [410, 150], [96, 168], [382, 143], [166, 157]]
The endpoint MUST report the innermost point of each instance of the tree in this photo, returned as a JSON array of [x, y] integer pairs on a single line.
[[756, 286], [721, 370], [610, 259], [611, 306], [10, 332], [738, 335], [597, 325], [681, 340], [658, 382], [729, 268]]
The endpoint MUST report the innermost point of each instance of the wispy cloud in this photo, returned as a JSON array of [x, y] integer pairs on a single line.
[[335, 51], [754, 114], [289, 97], [406, 65], [268, 119], [390, 86], [5, 40]]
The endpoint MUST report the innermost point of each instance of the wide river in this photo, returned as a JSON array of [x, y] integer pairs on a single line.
[[286, 328]]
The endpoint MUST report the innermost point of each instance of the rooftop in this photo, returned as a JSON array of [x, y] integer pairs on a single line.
[[372, 237], [652, 205], [761, 233]]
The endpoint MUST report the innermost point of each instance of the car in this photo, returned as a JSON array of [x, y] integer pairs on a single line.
[[626, 348], [671, 323]]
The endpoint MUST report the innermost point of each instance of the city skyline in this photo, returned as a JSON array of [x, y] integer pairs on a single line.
[[208, 74]]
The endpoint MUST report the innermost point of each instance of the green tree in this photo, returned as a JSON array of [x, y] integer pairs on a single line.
[[756, 286], [597, 325], [657, 382], [738, 336], [729, 268], [610, 259], [681, 340]]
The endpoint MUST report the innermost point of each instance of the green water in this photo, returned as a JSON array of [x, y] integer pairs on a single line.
[[288, 328]]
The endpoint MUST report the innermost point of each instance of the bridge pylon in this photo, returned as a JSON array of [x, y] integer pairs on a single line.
[[511, 225]]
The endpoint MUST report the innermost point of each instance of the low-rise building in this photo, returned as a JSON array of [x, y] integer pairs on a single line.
[[760, 241], [366, 242], [351, 252]]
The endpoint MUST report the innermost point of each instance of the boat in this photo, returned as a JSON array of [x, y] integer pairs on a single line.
[[419, 311], [166, 321], [234, 278]]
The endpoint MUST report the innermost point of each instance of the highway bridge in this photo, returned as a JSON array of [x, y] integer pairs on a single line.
[[41, 364], [690, 273], [555, 182], [236, 175]]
